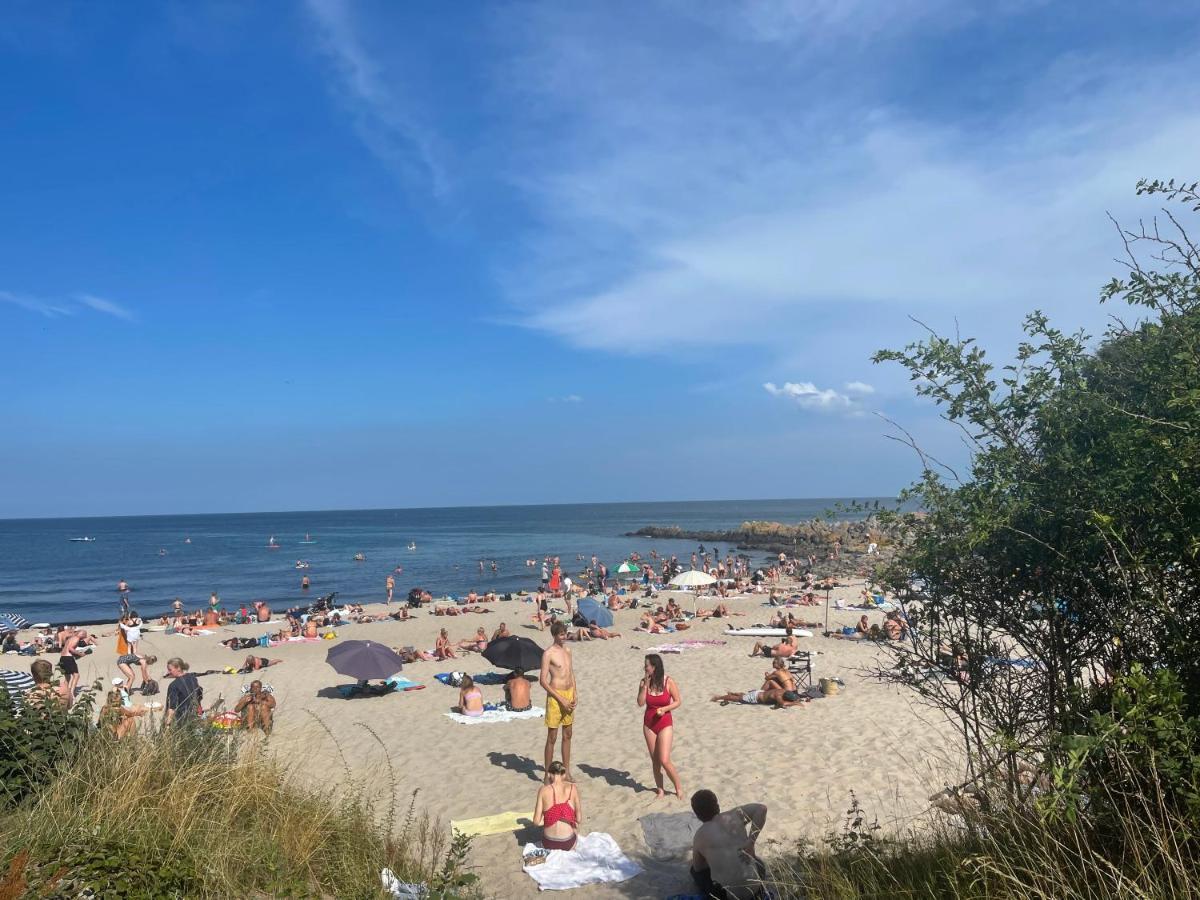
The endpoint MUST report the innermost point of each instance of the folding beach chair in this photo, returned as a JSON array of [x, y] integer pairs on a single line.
[[800, 665]]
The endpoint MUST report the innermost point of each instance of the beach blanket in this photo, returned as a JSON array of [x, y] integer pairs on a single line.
[[497, 715], [397, 682], [669, 835], [196, 633], [767, 632], [596, 859], [680, 646], [447, 678], [500, 823]]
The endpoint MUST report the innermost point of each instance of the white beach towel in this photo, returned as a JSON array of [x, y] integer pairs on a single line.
[[595, 859], [497, 715]]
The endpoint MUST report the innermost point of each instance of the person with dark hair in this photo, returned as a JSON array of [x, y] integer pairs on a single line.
[[558, 810], [557, 679], [659, 694], [724, 864]]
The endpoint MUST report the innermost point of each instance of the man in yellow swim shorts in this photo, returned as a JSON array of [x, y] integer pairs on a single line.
[[558, 681]]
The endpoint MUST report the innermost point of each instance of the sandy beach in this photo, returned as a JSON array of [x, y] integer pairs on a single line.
[[802, 762]]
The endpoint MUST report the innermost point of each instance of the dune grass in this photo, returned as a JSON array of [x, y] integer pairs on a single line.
[[1012, 853], [205, 815]]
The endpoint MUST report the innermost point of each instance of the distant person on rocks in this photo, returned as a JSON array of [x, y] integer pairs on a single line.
[[724, 862]]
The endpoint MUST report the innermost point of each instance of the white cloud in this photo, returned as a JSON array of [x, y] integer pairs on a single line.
[[859, 387], [53, 309], [33, 304], [386, 120], [108, 307], [809, 396], [569, 398], [754, 191]]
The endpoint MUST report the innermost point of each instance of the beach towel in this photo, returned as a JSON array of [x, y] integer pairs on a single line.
[[596, 859], [486, 678], [669, 835], [500, 823], [680, 646], [497, 715], [196, 633]]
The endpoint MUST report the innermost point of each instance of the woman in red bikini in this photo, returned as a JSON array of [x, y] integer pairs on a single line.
[[558, 810], [659, 694]]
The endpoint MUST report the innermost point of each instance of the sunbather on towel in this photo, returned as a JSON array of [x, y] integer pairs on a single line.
[[780, 699]]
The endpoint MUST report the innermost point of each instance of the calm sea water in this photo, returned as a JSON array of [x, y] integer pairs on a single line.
[[46, 577]]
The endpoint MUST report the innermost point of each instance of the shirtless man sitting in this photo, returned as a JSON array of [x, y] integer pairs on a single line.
[[501, 632], [256, 707], [557, 679], [516, 691], [784, 648], [724, 862]]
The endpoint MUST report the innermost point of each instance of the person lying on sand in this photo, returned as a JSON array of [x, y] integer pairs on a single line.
[[649, 624], [411, 654], [254, 663], [784, 648], [777, 698], [601, 633], [720, 611]]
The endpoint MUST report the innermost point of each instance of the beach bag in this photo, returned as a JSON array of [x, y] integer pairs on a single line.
[[150, 688]]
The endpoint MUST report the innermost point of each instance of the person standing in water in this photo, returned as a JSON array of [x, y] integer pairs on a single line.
[[659, 694], [558, 681]]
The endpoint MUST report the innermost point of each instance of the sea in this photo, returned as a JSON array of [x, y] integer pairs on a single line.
[[47, 577]]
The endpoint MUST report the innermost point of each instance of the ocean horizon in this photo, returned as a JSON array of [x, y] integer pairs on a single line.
[[47, 575]]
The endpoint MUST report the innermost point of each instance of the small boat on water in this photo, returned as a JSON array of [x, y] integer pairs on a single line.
[[82, 540], [187, 540], [301, 564], [359, 557], [308, 539], [412, 545], [271, 545]]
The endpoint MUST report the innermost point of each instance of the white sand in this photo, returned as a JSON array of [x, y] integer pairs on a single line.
[[801, 762]]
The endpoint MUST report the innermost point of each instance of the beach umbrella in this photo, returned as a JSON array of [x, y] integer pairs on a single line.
[[16, 683], [514, 653], [692, 578], [364, 660], [8, 623], [20, 621], [629, 568], [595, 610]]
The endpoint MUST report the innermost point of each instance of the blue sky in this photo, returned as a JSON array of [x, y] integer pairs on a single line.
[[335, 255]]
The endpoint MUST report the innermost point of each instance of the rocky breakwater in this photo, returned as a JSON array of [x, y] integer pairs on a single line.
[[815, 537]]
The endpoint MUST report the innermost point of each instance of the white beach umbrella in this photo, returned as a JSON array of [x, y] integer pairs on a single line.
[[692, 578]]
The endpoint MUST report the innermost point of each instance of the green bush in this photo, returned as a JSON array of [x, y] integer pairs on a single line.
[[36, 740]]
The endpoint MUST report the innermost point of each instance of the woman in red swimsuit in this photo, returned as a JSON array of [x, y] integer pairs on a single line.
[[558, 810], [659, 694]]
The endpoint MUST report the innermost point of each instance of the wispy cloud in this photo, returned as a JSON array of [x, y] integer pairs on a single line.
[[108, 307], [53, 309], [752, 187], [569, 398], [33, 304], [385, 118], [859, 387]]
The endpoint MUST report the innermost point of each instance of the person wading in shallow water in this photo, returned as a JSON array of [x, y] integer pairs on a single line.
[[558, 681]]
